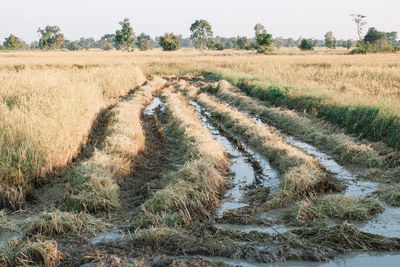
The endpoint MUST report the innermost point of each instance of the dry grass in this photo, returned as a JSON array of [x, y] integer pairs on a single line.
[[301, 173], [45, 115], [18, 252], [192, 192], [93, 184], [64, 224], [338, 207]]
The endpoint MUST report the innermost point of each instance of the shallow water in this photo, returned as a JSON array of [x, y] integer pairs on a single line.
[[113, 237], [244, 173], [355, 187], [386, 223], [347, 260], [150, 109], [275, 229]]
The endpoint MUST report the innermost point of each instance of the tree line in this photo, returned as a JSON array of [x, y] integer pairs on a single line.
[[124, 38]]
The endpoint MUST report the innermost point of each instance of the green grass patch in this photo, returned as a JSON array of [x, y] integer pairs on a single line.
[[390, 194]]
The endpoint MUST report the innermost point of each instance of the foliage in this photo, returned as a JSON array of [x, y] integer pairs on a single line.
[[373, 36], [201, 32], [358, 51], [106, 42], [330, 40], [306, 44], [213, 44], [169, 42], [125, 37], [50, 37], [12, 42], [263, 39], [242, 43], [144, 42]]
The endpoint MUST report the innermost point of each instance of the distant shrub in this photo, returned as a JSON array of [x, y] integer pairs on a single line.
[[169, 42], [215, 45], [306, 44], [358, 51]]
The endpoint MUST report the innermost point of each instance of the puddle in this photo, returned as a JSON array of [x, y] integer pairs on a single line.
[[386, 223], [347, 260], [114, 237], [355, 187], [275, 229], [150, 110], [245, 174]]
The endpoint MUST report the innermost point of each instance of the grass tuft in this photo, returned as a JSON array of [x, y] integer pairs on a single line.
[[18, 252]]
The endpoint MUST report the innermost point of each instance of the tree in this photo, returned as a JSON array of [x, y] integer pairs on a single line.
[[349, 44], [259, 29], [125, 37], [392, 37], [360, 23], [330, 40], [213, 44], [106, 42], [50, 37], [201, 32], [169, 42], [12, 42], [306, 44], [242, 43], [264, 42], [373, 35], [144, 42], [279, 42]]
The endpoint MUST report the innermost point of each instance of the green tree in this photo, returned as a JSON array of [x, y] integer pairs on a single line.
[[125, 37], [264, 42], [330, 40], [306, 44], [349, 44], [392, 37], [360, 23], [373, 35], [242, 43], [213, 44], [169, 42], [12, 42], [201, 32], [144, 42], [50, 37], [106, 42]]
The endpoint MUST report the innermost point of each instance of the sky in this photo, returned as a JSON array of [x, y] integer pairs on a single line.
[[287, 18]]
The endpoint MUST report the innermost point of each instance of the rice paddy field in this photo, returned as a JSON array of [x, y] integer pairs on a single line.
[[199, 158]]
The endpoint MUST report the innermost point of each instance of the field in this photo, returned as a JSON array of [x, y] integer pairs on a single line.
[[197, 157]]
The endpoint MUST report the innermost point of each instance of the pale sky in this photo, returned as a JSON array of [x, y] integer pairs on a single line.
[[287, 18]]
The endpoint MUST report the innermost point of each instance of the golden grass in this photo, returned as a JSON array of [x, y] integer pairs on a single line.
[[45, 116], [301, 173], [93, 184], [192, 192]]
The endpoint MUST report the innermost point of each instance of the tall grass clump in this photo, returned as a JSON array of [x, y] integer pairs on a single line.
[[93, 185], [18, 252], [338, 207], [301, 174], [45, 116], [192, 192]]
